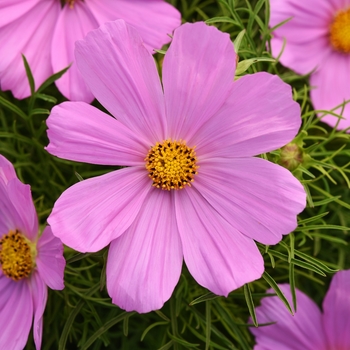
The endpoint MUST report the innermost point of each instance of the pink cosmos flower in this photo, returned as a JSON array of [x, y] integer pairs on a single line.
[[309, 328], [317, 38], [191, 188], [45, 33], [28, 263]]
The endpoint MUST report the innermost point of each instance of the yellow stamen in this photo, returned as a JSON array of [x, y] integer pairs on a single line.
[[340, 31], [171, 164], [17, 255]]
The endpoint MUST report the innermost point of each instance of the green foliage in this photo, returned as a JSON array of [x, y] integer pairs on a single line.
[[82, 315]]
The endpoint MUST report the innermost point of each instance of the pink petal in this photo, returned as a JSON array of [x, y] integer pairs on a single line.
[[242, 128], [39, 293], [16, 313], [80, 132], [9, 216], [72, 25], [7, 171], [49, 260], [93, 212], [336, 308], [301, 331], [21, 198], [310, 16], [17, 209], [339, 5], [331, 87], [154, 19], [6, 287], [294, 56], [13, 9], [198, 72], [122, 75], [306, 34], [219, 257], [144, 264], [30, 35], [258, 198]]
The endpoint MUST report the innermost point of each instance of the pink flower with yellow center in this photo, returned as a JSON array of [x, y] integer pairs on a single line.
[[309, 328], [28, 263], [191, 188], [45, 32], [317, 40]]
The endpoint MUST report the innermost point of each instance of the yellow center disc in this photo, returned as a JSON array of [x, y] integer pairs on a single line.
[[17, 255], [340, 32], [171, 165]]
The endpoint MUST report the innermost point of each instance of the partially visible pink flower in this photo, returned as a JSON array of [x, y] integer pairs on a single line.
[[317, 38], [28, 263], [191, 187], [309, 328], [45, 32]]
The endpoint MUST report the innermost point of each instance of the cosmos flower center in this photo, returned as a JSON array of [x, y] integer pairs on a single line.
[[171, 165], [17, 255], [340, 31]]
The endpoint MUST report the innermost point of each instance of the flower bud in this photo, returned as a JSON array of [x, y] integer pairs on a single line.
[[291, 156]]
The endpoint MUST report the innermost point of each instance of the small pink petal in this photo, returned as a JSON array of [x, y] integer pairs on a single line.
[[336, 309], [21, 198], [30, 35], [154, 19], [144, 264], [330, 88], [72, 25], [16, 204], [242, 128], [49, 260], [17, 209], [16, 313], [122, 75], [310, 16], [258, 198], [219, 257], [80, 132], [301, 331], [306, 34], [39, 294], [198, 72], [9, 215], [294, 57], [7, 171], [93, 212]]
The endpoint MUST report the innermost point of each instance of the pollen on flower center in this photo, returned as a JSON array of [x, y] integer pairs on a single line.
[[17, 255], [340, 31], [171, 164]]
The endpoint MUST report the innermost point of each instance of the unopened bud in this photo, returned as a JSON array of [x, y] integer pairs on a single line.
[[291, 156]]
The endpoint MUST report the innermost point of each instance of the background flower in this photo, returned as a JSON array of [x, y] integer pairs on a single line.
[[24, 297], [45, 33], [311, 47], [309, 328], [234, 198]]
